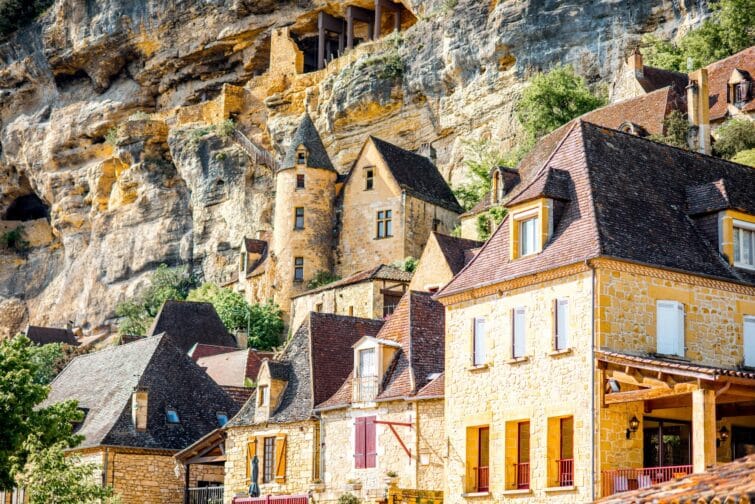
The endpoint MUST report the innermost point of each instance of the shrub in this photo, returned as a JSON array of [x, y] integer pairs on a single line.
[[488, 221], [746, 157], [321, 278], [265, 325], [733, 136], [480, 157], [225, 129], [408, 264], [231, 306], [111, 138], [675, 126], [15, 240], [348, 498]]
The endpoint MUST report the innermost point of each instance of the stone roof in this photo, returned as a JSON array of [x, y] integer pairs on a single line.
[[380, 272], [731, 482], [719, 74], [455, 250], [417, 175], [230, 369], [314, 363], [550, 183], [189, 323], [306, 134], [103, 382], [435, 388], [627, 200], [44, 335]]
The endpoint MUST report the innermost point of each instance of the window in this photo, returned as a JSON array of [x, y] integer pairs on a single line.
[[369, 179], [367, 379], [171, 416], [301, 157], [300, 181], [744, 244], [528, 241], [367, 364], [670, 328], [364, 442], [268, 473], [518, 333], [478, 459], [385, 223], [741, 92], [517, 455], [222, 417], [749, 340], [318, 307], [263, 395], [561, 324], [561, 451], [478, 342], [298, 269], [299, 218]]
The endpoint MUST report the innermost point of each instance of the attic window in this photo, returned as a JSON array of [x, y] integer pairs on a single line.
[[531, 227], [301, 157], [742, 92], [171, 416], [263, 395], [222, 417], [369, 179], [744, 244], [528, 235]]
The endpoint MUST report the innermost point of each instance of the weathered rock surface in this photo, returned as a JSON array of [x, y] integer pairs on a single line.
[[118, 211]]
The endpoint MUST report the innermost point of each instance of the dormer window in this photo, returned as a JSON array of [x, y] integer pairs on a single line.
[[744, 244], [263, 396], [171, 416], [498, 187], [367, 379], [222, 417], [301, 157], [531, 225], [528, 230], [369, 179], [742, 92]]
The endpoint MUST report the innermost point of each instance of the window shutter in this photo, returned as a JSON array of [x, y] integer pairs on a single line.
[[670, 328], [680, 329], [749, 340], [562, 320], [519, 347], [479, 342], [370, 451], [280, 458], [359, 439], [251, 450]]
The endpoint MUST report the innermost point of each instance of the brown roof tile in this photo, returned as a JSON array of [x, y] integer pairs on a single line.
[[188, 323], [455, 250], [381, 272], [675, 365], [657, 78], [718, 80]]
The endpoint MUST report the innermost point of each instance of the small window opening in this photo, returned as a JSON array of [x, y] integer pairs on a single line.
[[300, 181], [298, 269], [171, 416], [299, 218], [369, 179]]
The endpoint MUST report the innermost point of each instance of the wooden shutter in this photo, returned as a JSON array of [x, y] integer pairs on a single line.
[[280, 458], [670, 328], [370, 445], [359, 448], [749, 340], [251, 450], [518, 332]]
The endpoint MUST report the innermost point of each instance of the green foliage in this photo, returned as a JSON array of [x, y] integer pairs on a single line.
[[225, 129], [47, 359], [408, 264], [265, 325], [15, 14], [20, 414], [15, 240], [480, 157], [745, 157], [249, 383], [348, 498], [456, 232], [48, 476], [488, 221], [111, 138], [231, 306], [730, 29], [321, 278], [733, 136], [553, 99], [675, 126]]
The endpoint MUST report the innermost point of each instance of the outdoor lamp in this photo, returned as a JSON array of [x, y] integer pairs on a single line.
[[634, 424], [723, 435]]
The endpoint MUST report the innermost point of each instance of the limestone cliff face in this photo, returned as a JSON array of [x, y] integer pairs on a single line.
[[126, 193]]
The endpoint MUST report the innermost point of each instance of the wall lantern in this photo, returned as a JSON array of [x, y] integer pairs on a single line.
[[634, 424], [722, 435]]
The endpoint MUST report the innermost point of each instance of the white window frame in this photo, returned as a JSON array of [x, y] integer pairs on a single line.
[[748, 332], [264, 396], [520, 220], [479, 342], [561, 324], [747, 226], [670, 327], [519, 332]]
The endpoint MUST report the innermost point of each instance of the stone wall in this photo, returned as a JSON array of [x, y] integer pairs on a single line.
[[432, 270], [410, 496], [431, 445], [422, 218], [356, 300], [469, 227]]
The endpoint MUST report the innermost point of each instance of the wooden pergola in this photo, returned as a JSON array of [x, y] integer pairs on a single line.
[[208, 450]]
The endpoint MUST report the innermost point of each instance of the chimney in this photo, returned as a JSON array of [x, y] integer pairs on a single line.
[[428, 151], [698, 111], [139, 400], [635, 63]]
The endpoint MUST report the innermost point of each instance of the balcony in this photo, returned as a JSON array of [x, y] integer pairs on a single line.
[[565, 472], [483, 479], [522, 473], [365, 388], [205, 495], [623, 480]]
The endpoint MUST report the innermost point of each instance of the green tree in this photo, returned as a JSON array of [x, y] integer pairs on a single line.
[[553, 99], [20, 414], [480, 157], [488, 221], [47, 360], [49, 477], [746, 157], [265, 326], [231, 306], [733, 136], [321, 278], [675, 127]]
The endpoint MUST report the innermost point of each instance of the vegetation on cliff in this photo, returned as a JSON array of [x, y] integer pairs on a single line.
[[17, 13]]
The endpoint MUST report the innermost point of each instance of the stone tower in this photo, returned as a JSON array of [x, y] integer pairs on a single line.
[[305, 193]]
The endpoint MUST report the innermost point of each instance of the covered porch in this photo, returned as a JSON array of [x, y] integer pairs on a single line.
[[661, 419], [208, 451]]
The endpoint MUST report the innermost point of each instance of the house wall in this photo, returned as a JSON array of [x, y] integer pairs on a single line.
[[421, 219], [431, 444], [300, 454], [339, 300], [432, 268], [285, 56], [546, 386]]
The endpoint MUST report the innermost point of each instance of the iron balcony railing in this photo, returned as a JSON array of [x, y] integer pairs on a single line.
[[565, 472], [522, 472], [365, 388], [206, 495], [483, 479], [622, 480]]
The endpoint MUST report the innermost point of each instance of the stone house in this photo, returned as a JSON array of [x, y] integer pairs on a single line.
[[373, 293], [444, 256], [602, 339], [143, 402], [387, 417], [278, 424]]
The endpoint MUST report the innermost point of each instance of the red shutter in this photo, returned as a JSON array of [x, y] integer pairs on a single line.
[[370, 455], [359, 428]]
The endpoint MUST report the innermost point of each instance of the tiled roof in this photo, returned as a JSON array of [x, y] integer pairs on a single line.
[[673, 365], [436, 388], [232, 368], [381, 272], [455, 250], [627, 200], [718, 80], [254, 246], [307, 135], [102, 383], [315, 362], [550, 183], [417, 175], [44, 335], [201, 350], [733, 482], [188, 323], [657, 78]]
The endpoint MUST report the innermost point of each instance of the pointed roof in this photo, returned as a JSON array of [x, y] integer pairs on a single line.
[[417, 175], [307, 135], [103, 382], [455, 250], [189, 323], [719, 74], [44, 335]]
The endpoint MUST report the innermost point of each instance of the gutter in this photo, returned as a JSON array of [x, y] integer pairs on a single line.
[[594, 420]]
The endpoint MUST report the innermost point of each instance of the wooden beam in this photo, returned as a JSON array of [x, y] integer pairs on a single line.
[[678, 401], [633, 377], [647, 394], [206, 460], [378, 19], [734, 410]]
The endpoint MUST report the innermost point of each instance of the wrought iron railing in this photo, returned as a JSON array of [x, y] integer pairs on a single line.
[[622, 480], [522, 473], [365, 388], [206, 495], [273, 499], [565, 472]]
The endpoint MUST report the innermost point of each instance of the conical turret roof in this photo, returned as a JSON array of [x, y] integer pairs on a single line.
[[307, 135]]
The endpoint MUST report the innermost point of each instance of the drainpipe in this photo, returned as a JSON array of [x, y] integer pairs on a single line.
[[104, 469], [593, 419]]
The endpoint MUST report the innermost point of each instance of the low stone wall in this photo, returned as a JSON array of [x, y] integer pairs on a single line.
[[409, 496]]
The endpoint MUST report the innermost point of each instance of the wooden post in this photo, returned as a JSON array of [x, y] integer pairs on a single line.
[[703, 429], [321, 41], [186, 484], [378, 18], [350, 27]]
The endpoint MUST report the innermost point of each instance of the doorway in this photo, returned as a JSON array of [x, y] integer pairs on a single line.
[[666, 442]]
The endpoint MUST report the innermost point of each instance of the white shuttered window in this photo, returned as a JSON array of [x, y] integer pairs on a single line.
[[749, 340], [669, 327], [518, 333]]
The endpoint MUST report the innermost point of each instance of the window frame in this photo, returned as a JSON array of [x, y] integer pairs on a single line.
[[298, 269], [560, 341], [533, 218], [263, 396], [268, 459], [369, 178], [300, 181], [748, 321], [384, 224], [522, 338], [750, 228], [661, 326], [479, 342], [298, 218]]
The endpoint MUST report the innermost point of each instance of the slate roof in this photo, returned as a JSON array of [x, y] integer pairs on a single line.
[[230, 369], [306, 134], [315, 362], [44, 335], [418, 326], [731, 482], [417, 175], [380, 272], [718, 81], [102, 383], [455, 250], [189, 323], [627, 200]]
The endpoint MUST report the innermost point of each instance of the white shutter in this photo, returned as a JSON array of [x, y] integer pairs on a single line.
[[519, 334], [749, 340], [479, 342], [562, 324], [670, 328]]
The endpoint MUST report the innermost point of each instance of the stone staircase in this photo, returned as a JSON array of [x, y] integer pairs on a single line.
[[257, 154]]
